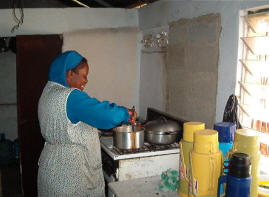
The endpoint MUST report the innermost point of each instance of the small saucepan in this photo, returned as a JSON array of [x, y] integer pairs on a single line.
[[128, 137]]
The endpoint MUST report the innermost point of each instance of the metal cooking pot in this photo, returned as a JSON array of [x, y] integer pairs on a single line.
[[128, 137], [162, 131]]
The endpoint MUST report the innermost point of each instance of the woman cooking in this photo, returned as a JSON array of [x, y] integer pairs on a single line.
[[70, 162]]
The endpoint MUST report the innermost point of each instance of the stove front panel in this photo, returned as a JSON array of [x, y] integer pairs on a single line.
[[146, 166]]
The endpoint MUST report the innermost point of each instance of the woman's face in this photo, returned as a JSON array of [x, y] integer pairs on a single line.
[[78, 79]]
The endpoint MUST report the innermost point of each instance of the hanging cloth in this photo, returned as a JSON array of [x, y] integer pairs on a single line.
[[230, 111]]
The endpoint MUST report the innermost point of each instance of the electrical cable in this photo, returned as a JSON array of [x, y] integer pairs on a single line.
[[19, 21], [82, 4]]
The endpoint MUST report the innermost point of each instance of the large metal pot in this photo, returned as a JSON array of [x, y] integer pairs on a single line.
[[128, 137], [162, 131]]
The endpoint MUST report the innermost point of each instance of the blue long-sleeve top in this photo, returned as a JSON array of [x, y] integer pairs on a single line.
[[102, 115], [80, 106]]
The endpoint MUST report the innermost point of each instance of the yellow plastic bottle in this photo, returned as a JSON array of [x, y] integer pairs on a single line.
[[206, 160], [186, 145], [247, 141]]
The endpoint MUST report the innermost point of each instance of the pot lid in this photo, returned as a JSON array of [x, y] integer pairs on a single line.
[[162, 132], [162, 126]]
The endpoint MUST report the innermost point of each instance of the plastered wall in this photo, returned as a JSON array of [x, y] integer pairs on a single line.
[[54, 21], [163, 12], [112, 59], [152, 90], [59, 20]]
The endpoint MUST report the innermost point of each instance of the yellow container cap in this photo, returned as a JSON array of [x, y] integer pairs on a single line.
[[246, 139], [189, 128], [206, 141]]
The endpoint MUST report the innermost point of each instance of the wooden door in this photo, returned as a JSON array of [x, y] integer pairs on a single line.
[[34, 56]]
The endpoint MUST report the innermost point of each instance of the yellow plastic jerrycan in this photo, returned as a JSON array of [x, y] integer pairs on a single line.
[[186, 145], [206, 160], [247, 141]]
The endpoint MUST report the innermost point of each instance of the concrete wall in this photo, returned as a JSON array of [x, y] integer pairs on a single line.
[[161, 13], [192, 68]]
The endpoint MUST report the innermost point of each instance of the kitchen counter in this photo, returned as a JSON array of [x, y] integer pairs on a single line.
[[142, 187]]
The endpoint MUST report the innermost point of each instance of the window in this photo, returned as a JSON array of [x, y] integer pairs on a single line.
[[253, 76]]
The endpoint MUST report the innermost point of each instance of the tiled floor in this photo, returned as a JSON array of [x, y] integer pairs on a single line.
[[11, 181]]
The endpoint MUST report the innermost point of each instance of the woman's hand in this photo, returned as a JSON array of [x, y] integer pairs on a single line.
[[133, 115]]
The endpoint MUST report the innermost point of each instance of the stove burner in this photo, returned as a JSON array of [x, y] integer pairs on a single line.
[[146, 148]]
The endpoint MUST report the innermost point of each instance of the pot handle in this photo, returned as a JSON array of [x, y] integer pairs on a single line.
[[162, 118]]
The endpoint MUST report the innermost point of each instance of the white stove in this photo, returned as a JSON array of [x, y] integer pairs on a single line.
[[150, 160], [146, 151], [118, 166]]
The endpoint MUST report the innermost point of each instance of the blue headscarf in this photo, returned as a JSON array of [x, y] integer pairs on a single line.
[[64, 62]]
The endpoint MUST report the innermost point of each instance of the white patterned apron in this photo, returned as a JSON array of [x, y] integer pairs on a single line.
[[70, 162]]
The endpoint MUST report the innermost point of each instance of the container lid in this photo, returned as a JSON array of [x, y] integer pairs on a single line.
[[189, 128], [162, 132], [162, 126], [239, 165], [246, 140], [206, 141], [247, 133], [226, 131]]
